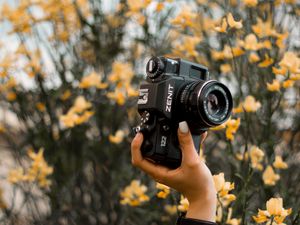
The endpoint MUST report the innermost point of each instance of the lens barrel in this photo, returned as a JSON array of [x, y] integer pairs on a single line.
[[207, 102]]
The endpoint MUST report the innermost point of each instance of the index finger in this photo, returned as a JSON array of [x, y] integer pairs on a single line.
[[159, 173]]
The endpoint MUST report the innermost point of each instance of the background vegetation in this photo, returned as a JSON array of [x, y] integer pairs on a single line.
[[70, 72]]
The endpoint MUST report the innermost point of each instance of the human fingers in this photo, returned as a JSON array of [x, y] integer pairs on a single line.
[[157, 172], [186, 142]]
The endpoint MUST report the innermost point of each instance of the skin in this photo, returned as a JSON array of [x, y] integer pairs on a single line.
[[193, 178]]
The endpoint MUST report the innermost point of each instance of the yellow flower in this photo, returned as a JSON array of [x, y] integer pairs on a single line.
[[165, 190], [220, 127], [219, 181], [137, 5], [267, 62], [237, 51], [270, 177], [140, 18], [263, 29], [66, 95], [118, 96], [262, 216], [227, 53], [69, 119], [188, 46], [83, 117], [238, 109], [232, 126], [184, 204], [280, 71], [38, 170], [288, 83], [227, 199], [219, 213], [253, 57], [11, 96], [11, 83], [291, 62], [275, 207], [274, 86], [290, 1], [40, 106], [159, 7], [295, 77], [80, 105], [171, 209], [232, 23], [232, 221], [242, 156], [92, 80], [280, 40], [251, 43], [274, 211], [78, 113], [279, 163], [186, 18], [134, 194], [121, 73], [15, 175], [250, 3], [223, 27], [250, 105], [222, 187], [117, 138], [256, 156], [225, 68]]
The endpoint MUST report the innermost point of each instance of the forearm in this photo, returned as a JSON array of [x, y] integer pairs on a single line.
[[204, 208]]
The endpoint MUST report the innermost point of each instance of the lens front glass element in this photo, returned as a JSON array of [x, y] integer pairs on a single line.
[[212, 104], [215, 102]]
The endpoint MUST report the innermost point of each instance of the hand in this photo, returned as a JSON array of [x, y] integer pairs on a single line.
[[193, 178]]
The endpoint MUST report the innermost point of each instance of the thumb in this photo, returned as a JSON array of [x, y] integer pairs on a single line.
[[186, 141]]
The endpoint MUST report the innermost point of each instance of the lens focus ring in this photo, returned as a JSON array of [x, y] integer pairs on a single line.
[[209, 103]]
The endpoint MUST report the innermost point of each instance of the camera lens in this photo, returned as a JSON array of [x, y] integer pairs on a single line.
[[206, 103]]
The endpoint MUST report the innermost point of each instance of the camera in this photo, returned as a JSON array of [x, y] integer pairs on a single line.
[[178, 90]]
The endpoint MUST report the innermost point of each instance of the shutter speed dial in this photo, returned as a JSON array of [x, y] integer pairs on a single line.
[[155, 67]]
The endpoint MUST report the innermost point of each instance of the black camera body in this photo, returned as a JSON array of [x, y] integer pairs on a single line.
[[178, 90]]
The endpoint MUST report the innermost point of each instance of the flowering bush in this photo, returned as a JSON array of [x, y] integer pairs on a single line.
[[69, 72]]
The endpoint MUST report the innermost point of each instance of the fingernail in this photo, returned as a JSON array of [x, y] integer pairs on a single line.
[[183, 127]]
